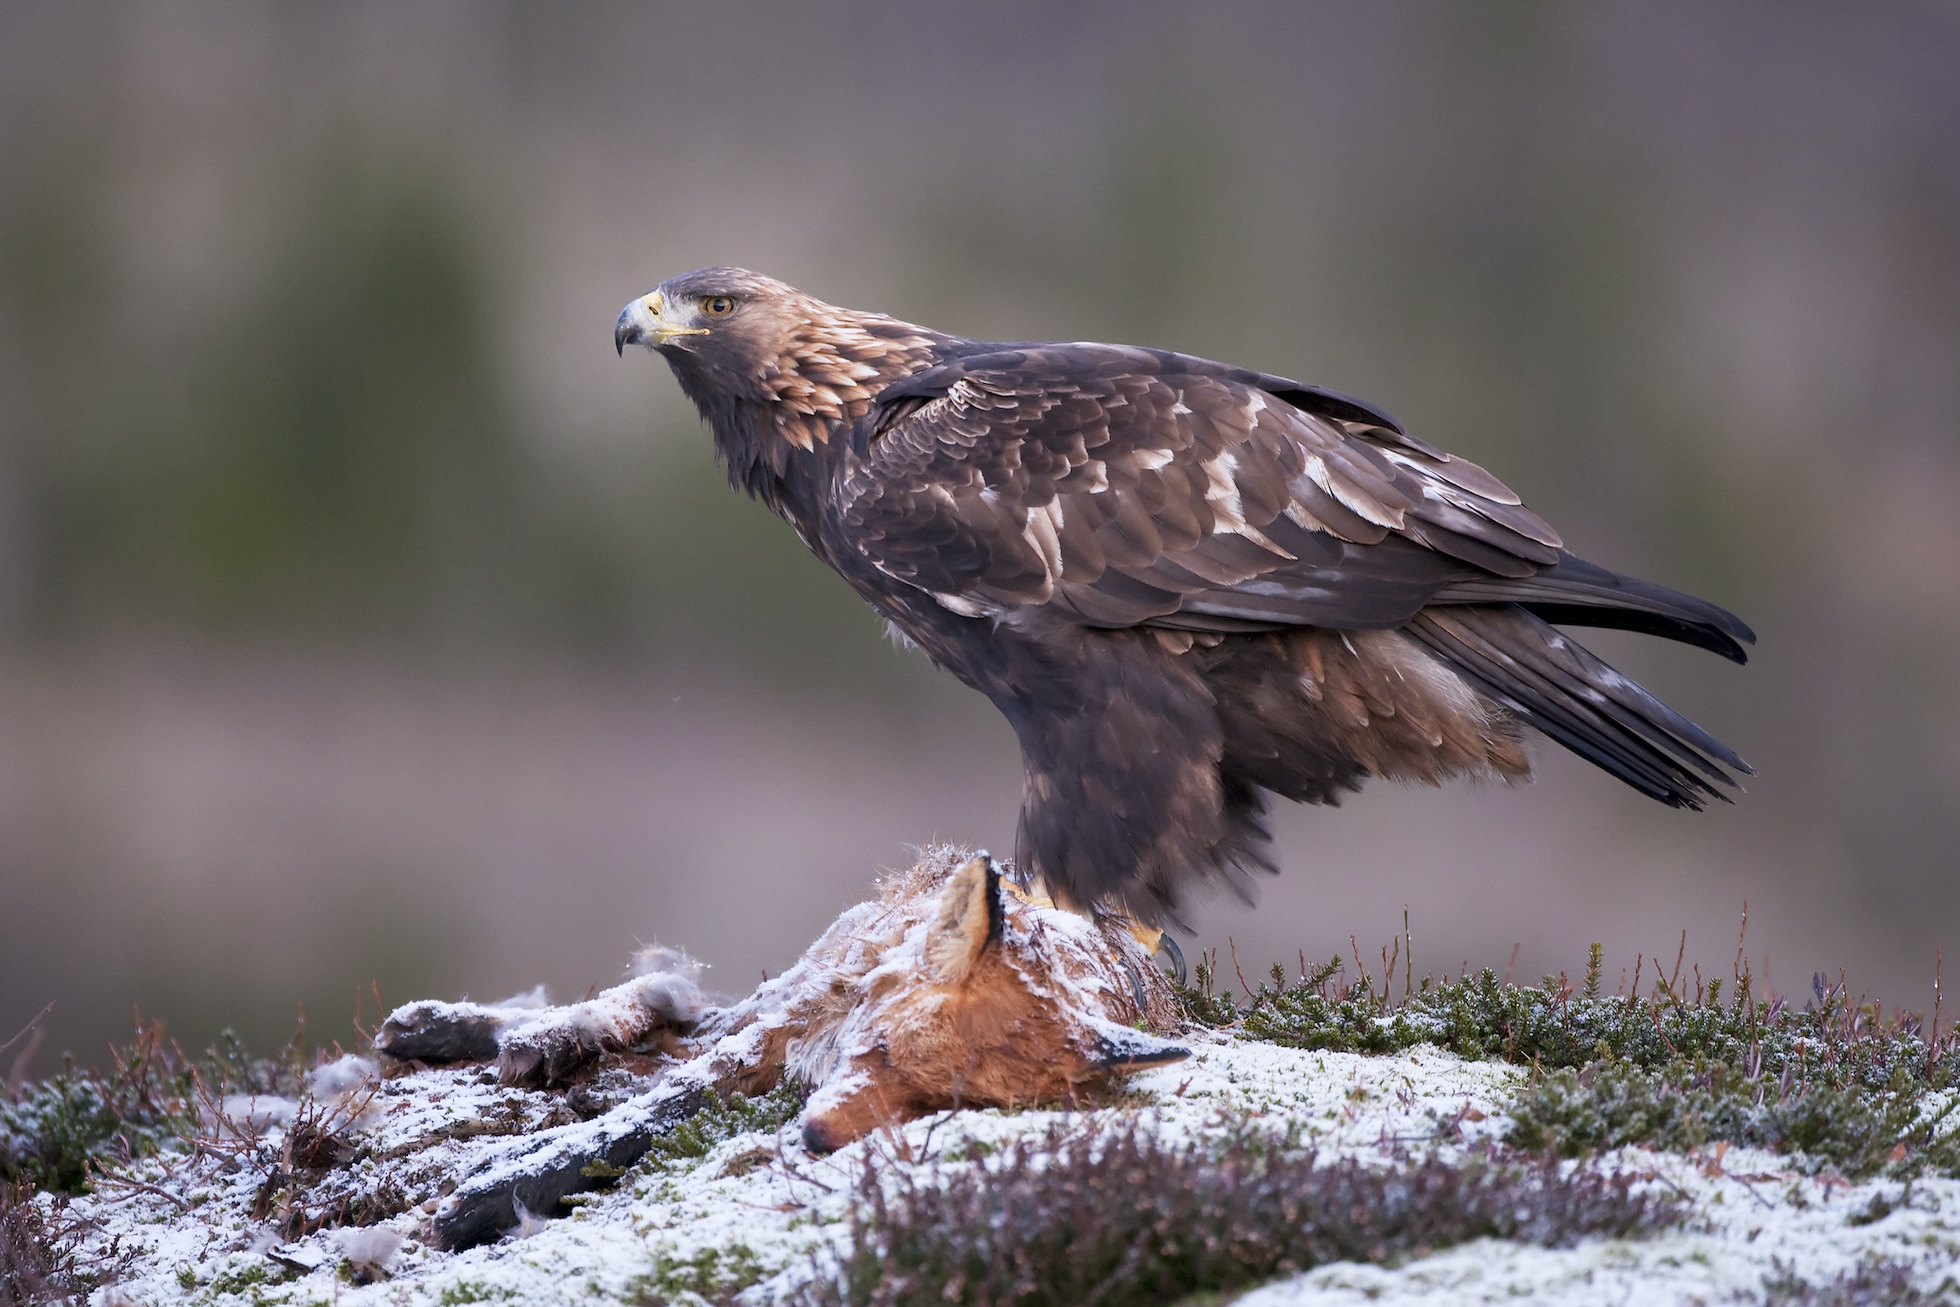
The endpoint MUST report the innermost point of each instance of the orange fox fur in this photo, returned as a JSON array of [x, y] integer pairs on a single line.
[[942, 992]]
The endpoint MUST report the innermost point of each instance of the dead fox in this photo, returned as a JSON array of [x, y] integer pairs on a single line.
[[947, 990]]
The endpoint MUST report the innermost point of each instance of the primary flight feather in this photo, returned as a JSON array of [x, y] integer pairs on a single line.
[[1188, 586]]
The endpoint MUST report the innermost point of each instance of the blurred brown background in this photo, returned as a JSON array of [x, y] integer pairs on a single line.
[[363, 618]]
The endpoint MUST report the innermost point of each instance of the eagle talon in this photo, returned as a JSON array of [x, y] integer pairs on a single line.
[[1167, 945]]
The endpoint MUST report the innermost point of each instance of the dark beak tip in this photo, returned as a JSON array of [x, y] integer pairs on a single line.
[[626, 332]]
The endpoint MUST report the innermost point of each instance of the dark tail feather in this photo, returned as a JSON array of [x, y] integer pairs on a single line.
[[1563, 690], [1578, 593]]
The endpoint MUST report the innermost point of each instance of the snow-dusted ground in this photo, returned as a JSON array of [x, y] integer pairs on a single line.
[[760, 1204]]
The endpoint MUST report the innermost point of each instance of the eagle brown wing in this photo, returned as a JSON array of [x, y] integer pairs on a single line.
[[1130, 487], [1122, 487]]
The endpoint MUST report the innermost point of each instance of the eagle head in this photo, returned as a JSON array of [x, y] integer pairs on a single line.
[[723, 330], [761, 359]]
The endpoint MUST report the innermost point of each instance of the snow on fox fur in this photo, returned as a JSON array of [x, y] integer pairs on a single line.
[[947, 990]]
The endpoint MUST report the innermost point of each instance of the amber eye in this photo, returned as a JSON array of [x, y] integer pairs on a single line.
[[717, 306]]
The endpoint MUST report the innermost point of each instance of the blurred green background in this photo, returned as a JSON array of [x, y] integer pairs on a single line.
[[364, 619]]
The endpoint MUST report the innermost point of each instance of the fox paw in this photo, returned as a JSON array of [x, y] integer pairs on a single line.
[[430, 1031]]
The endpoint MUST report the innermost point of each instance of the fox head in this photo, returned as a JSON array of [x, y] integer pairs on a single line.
[[985, 1000]]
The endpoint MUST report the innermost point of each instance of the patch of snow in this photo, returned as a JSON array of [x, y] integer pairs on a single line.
[[1752, 1217], [194, 1224], [786, 1209]]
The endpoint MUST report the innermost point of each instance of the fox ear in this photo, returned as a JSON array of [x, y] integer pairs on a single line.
[[968, 919]]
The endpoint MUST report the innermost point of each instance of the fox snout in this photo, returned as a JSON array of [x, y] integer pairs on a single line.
[[820, 1136]]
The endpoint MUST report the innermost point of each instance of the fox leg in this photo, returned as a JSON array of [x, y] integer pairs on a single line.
[[536, 1173], [659, 1009], [544, 1047]]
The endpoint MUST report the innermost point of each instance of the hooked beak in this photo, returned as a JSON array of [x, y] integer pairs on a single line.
[[644, 322]]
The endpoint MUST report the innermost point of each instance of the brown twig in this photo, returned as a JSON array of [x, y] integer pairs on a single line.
[[27, 1028], [1741, 936], [1933, 1036], [32, 1032], [380, 1012], [1230, 944], [137, 1186], [793, 1173], [1408, 954]]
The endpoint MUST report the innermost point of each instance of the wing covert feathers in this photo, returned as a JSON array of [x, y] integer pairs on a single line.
[[1118, 488], [1125, 486]]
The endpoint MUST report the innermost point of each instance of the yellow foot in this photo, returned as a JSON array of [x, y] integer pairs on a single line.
[[1153, 940], [1032, 900]]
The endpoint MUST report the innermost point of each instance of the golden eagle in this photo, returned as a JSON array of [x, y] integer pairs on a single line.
[[1188, 586]]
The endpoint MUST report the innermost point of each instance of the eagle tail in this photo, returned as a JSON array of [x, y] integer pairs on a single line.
[[1562, 689], [1578, 593]]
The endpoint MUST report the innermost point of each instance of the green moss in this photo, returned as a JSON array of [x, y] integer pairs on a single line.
[[969, 1150], [243, 1278], [255, 1283], [53, 1131], [721, 1119], [713, 1275], [1554, 1024], [1833, 1082], [1844, 1127], [710, 1275]]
